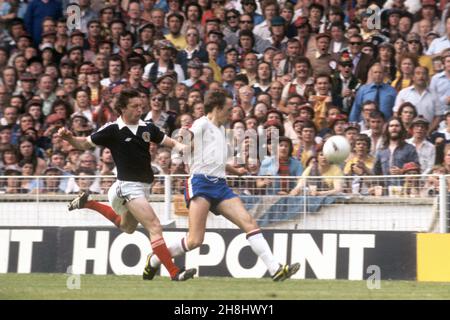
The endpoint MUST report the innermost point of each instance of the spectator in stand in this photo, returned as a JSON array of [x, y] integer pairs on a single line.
[[322, 100], [84, 183], [440, 44], [13, 184], [344, 84], [382, 94], [420, 95], [412, 185], [395, 151], [406, 113], [406, 65], [192, 50], [303, 84], [165, 49], [440, 83], [282, 164], [307, 146], [375, 131], [360, 163], [37, 11], [194, 73], [425, 149], [361, 61], [51, 184], [157, 115], [319, 166], [367, 108], [27, 151], [293, 104], [87, 163]]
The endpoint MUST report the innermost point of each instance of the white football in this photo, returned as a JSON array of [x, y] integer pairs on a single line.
[[336, 149]]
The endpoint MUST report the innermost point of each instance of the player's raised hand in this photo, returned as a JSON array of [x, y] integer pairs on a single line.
[[65, 134]]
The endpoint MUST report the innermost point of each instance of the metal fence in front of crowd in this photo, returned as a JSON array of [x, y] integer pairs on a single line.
[[416, 203]]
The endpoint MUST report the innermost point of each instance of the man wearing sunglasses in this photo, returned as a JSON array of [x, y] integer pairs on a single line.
[[246, 23], [361, 61], [231, 22]]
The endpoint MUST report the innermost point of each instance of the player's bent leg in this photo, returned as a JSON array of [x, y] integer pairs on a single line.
[[198, 213], [83, 202], [143, 213], [128, 223], [233, 209]]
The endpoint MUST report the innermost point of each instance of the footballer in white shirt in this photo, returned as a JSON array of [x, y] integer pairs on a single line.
[[207, 190]]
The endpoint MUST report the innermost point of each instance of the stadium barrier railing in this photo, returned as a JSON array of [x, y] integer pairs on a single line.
[[379, 203]]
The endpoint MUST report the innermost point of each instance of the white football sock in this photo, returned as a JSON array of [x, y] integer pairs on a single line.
[[262, 249]]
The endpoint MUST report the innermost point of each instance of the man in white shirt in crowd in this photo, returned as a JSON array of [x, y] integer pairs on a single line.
[[440, 83], [425, 149], [420, 95], [440, 44]]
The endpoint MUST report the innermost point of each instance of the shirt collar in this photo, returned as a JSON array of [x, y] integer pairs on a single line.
[[122, 124]]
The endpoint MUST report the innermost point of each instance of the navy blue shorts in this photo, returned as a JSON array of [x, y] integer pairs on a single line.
[[213, 189]]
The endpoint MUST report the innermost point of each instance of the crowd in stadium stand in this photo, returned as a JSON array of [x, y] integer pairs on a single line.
[[376, 72]]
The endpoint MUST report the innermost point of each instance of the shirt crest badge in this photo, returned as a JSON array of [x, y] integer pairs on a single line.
[[146, 136]]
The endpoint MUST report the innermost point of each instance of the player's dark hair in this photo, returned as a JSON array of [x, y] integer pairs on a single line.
[[123, 99], [215, 99]]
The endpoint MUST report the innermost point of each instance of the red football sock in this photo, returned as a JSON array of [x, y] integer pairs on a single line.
[[104, 210], [160, 249]]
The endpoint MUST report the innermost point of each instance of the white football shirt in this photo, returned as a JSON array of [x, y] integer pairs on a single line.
[[210, 149]]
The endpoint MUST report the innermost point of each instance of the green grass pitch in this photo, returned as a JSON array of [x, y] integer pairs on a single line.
[[54, 286]]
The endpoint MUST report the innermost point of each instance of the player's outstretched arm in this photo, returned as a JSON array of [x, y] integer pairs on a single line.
[[235, 171], [81, 143], [177, 144]]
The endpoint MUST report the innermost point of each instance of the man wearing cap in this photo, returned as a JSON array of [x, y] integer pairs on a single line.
[[440, 44], [420, 95], [27, 83], [322, 61], [277, 29], [344, 84], [195, 68], [307, 40], [174, 23], [165, 63], [425, 149], [146, 35]]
